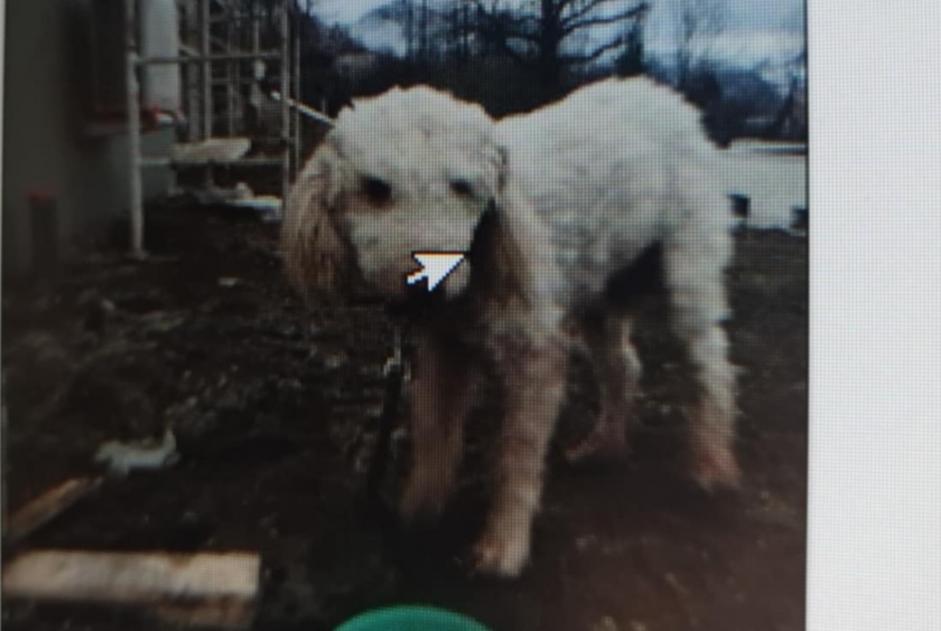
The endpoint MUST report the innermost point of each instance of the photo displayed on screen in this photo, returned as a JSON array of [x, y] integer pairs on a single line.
[[405, 314]]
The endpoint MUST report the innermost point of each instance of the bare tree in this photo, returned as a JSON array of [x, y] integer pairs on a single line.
[[631, 60], [408, 14], [541, 27], [415, 18], [791, 118], [697, 26], [423, 31], [458, 31]]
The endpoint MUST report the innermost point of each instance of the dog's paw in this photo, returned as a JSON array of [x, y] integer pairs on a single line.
[[605, 443], [716, 469], [501, 554]]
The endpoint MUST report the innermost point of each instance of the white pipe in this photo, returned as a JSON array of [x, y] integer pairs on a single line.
[[306, 110], [133, 136]]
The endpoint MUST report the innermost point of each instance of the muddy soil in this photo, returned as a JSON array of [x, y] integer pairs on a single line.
[[276, 410]]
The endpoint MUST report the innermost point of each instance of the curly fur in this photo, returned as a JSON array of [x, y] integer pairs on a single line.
[[551, 206]]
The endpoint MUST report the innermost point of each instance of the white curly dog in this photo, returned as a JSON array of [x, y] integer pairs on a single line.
[[550, 206]]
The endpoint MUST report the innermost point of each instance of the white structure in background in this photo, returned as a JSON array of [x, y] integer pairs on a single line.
[[109, 135], [204, 58], [161, 87], [773, 176]]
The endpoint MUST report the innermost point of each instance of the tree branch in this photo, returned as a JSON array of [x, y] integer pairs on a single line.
[[493, 13], [580, 13], [598, 52], [507, 50], [571, 27], [501, 28]]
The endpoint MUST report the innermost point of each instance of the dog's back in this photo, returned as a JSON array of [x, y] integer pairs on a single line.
[[613, 168]]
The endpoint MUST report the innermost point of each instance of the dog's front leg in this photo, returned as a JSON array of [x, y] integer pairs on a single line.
[[534, 380], [441, 393]]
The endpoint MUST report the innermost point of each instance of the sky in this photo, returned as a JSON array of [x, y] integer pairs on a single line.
[[755, 30]]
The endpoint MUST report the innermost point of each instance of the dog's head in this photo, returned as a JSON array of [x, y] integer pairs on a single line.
[[408, 171]]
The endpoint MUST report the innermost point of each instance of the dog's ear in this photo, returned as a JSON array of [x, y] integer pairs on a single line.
[[313, 251], [499, 249]]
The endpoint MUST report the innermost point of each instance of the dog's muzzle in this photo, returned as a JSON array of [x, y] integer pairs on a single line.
[[418, 300]]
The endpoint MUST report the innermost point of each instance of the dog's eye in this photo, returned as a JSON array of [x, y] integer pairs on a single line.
[[376, 190], [462, 188]]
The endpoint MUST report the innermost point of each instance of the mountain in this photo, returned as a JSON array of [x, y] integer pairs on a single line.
[[381, 29], [385, 28]]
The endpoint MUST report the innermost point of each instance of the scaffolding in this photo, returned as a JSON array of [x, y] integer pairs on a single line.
[[226, 50]]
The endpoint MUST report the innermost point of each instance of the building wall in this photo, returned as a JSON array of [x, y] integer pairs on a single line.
[[44, 144]]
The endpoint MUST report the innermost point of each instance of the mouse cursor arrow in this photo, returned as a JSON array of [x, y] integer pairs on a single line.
[[435, 267]]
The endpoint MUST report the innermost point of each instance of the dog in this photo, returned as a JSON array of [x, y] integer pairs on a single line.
[[550, 208]]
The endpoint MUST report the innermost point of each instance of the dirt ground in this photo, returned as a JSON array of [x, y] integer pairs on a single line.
[[276, 409]]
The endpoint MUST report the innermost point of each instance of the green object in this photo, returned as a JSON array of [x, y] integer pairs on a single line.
[[411, 618]]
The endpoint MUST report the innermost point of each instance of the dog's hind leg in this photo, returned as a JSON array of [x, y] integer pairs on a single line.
[[694, 265], [441, 394], [618, 368]]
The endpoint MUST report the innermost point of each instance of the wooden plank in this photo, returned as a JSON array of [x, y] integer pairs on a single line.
[[47, 506], [211, 150], [209, 589]]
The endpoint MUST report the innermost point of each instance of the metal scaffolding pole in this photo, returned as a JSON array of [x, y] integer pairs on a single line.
[[296, 115], [285, 87], [206, 59], [136, 187], [192, 72], [206, 78], [206, 68], [232, 79]]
